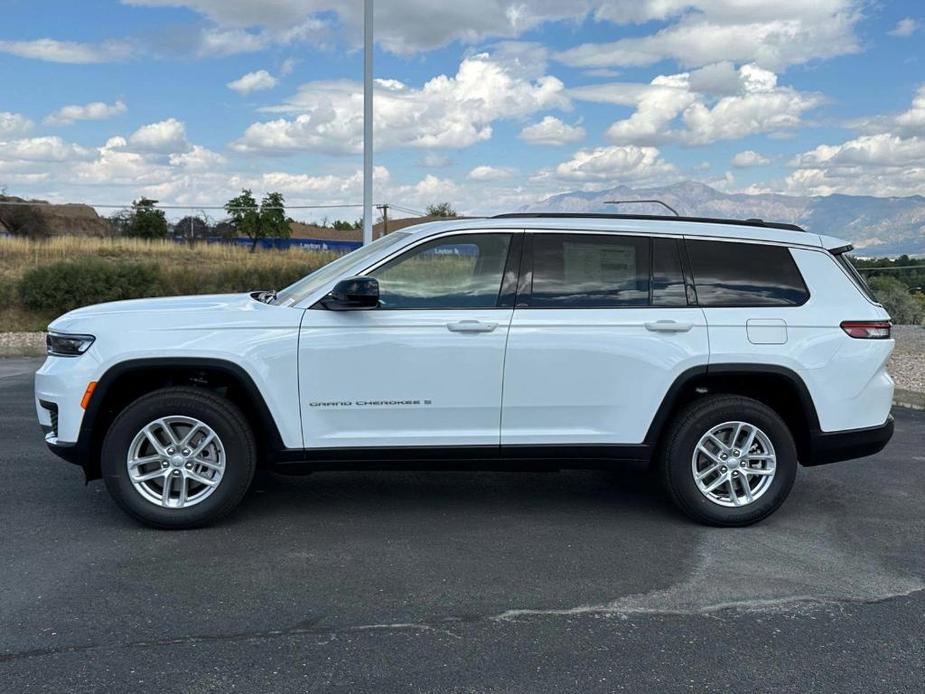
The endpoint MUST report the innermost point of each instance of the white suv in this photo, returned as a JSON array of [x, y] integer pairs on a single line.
[[724, 352]]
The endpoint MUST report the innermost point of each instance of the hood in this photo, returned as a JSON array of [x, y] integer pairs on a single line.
[[179, 307]]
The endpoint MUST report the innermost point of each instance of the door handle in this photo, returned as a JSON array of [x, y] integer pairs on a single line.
[[668, 326], [471, 326]]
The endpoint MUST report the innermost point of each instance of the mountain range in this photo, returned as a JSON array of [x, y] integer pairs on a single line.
[[876, 226]]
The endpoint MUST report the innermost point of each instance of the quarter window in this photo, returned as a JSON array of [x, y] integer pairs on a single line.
[[462, 271], [589, 271], [745, 274]]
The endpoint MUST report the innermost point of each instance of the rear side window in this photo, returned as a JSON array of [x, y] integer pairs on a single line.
[[589, 271], [745, 274], [668, 287]]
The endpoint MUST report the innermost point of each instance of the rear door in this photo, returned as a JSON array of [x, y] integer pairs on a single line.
[[601, 329], [425, 368]]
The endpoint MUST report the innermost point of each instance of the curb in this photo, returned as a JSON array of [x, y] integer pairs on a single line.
[[909, 399]]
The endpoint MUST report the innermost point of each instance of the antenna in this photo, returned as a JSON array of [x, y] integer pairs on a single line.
[[657, 202]]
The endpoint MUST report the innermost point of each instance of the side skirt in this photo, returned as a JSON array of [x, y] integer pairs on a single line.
[[461, 458]]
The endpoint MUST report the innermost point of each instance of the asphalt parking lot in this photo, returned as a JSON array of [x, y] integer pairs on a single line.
[[354, 582]]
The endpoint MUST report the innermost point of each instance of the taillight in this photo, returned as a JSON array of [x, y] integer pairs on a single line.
[[867, 329]]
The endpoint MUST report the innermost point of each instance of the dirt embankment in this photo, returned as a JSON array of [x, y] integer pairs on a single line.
[[59, 220]]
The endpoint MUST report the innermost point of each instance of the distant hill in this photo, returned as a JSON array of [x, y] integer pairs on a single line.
[[876, 226]]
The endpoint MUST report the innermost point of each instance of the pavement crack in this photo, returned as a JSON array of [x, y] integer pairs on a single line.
[[770, 605], [313, 627]]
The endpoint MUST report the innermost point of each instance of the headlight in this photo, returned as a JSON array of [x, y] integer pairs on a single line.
[[61, 345]]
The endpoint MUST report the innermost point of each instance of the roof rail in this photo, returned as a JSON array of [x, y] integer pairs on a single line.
[[660, 217], [653, 201]]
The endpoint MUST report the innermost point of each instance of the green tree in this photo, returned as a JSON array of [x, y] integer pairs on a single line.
[[266, 221], [145, 221], [192, 228], [245, 215], [442, 209], [273, 222]]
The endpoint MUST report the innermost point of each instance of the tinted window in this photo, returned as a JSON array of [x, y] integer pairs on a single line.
[[462, 271], [667, 279], [587, 271], [745, 274]]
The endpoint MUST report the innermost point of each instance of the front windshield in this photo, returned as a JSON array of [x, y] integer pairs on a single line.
[[312, 282]]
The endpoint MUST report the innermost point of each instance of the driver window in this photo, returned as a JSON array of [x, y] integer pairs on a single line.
[[461, 271]]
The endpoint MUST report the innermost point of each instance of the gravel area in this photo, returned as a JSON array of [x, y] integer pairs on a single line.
[[907, 365]]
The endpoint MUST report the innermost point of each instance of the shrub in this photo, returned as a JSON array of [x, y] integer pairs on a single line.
[[899, 302], [66, 285]]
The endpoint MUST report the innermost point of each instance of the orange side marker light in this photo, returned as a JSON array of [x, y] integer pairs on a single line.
[[88, 393]]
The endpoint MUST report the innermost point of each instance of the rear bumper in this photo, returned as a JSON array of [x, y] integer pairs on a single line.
[[836, 446]]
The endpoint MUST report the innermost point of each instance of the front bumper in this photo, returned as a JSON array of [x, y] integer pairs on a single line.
[[833, 447]]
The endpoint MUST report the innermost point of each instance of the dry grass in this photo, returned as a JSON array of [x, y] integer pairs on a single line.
[[183, 269], [18, 255]]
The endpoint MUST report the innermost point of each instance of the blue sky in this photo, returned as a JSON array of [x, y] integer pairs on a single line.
[[488, 104]]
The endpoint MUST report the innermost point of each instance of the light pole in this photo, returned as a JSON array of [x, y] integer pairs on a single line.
[[367, 121]]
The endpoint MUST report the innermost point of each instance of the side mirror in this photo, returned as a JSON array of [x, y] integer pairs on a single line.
[[353, 294]]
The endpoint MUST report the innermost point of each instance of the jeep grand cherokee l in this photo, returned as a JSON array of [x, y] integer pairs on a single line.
[[723, 352]]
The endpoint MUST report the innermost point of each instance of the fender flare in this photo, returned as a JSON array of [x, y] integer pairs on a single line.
[[691, 375]]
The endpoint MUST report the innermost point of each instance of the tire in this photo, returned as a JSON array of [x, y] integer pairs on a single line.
[[207, 486], [728, 503]]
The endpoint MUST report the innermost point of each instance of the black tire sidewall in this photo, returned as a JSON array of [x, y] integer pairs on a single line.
[[221, 416], [702, 418]]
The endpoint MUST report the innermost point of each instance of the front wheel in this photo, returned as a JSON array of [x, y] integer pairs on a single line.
[[179, 458], [729, 461]]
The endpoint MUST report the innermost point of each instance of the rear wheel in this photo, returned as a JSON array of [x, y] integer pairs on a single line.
[[179, 458], [728, 460]]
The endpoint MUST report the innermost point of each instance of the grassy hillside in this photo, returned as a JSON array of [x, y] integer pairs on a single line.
[[80, 268]]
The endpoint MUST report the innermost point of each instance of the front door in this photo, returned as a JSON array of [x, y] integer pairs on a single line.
[[425, 368]]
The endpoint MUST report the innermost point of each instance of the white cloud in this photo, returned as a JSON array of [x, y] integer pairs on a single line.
[[447, 112], [552, 131], [889, 162], [431, 24], [198, 158], [432, 160], [54, 51], [905, 28], [93, 111], [12, 124], [253, 82], [167, 136], [913, 120], [616, 165], [42, 149], [749, 158], [669, 109], [773, 35], [218, 41], [486, 172]]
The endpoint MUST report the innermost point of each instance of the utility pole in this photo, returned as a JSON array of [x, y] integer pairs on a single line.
[[385, 217], [367, 121]]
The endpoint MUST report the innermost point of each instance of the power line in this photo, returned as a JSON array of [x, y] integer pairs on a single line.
[[888, 269], [17, 203]]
